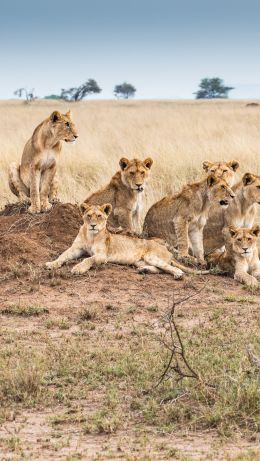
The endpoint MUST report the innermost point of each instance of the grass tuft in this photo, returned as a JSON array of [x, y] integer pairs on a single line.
[[28, 310]]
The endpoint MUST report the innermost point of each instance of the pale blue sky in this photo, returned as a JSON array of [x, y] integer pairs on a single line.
[[163, 47]]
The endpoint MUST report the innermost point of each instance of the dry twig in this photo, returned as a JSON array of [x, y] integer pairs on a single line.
[[178, 363]]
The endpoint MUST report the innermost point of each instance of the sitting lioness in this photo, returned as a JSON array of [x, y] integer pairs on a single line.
[[103, 246], [180, 218], [240, 257], [224, 170], [125, 192], [34, 180], [241, 212]]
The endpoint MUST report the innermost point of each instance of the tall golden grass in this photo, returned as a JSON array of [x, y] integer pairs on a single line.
[[179, 135]]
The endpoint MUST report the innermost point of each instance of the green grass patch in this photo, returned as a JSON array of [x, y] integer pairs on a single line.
[[27, 310]]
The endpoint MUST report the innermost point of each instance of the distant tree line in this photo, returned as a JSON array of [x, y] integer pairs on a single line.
[[209, 88], [124, 90]]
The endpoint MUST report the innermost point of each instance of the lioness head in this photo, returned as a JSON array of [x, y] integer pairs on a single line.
[[224, 170], [63, 127], [243, 241], [95, 216], [219, 191], [134, 173], [251, 190]]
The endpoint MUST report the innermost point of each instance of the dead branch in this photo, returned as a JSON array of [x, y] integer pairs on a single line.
[[177, 363]]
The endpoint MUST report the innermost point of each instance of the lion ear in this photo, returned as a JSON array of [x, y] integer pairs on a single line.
[[255, 230], [68, 114], [212, 180], [232, 230], [234, 165], [84, 207], [248, 179], [55, 116], [106, 208], [148, 162], [123, 162], [206, 165]]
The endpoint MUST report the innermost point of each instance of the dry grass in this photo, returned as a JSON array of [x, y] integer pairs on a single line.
[[178, 135]]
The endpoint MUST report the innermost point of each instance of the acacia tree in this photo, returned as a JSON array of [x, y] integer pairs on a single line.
[[29, 95], [211, 88], [77, 94], [124, 90]]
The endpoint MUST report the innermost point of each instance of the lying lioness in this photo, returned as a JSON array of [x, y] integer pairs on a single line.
[[34, 179], [103, 246], [240, 257]]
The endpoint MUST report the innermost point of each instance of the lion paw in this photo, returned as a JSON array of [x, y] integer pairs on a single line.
[[252, 283], [79, 269], [45, 207], [178, 274], [34, 209], [52, 265]]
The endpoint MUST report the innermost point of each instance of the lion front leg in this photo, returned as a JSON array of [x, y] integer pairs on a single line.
[[35, 178], [181, 231], [247, 279], [53, 195], [255, 270], [124, 218], [136, 221], [196, 239], [47, 179], [74, 252], [242, 276]]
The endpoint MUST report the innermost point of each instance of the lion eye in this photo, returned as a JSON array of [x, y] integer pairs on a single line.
[[225, 171], [99, 216], [258, 187], [68, 124], [223, 187], [142, 173], [239, 240]]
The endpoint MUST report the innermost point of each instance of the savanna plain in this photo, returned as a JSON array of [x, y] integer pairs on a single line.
[[81, 356]]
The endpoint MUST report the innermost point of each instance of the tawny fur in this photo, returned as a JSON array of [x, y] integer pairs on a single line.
[[125, 193], [240, 257], [103, 247], [180, 218], [34, 179], [224, 170], [240, 213]]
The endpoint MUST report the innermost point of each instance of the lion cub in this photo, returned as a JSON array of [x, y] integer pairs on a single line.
[[125, 193], [179, 218], [103, 246], [35, 178], [240, 257]]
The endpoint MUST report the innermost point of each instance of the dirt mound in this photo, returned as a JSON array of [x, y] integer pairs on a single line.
[[26, 238]]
